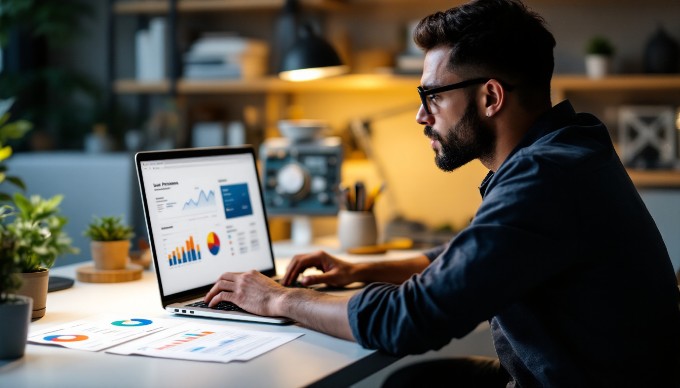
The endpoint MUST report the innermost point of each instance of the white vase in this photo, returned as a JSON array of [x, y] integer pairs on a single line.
[[597, 66]]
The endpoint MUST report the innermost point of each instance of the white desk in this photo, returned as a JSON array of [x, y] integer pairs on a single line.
[[313, 359]]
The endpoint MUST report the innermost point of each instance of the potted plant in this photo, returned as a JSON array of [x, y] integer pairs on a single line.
[[15, 309], [110, 245], [35, 225], [38, 229], [599, 53], [9, 131]]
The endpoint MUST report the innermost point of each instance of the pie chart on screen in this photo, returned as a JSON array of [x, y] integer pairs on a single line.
[[213, 243]]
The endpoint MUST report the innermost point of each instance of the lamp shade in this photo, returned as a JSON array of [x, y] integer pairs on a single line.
[[310, 57]]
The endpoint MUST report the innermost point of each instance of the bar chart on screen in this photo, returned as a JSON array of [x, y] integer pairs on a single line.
[[180, 255]]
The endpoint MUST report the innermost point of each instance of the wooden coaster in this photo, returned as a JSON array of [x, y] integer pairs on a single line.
[[89, 274]]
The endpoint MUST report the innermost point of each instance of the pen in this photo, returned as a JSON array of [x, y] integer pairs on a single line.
[[360, 196], [345, 198]]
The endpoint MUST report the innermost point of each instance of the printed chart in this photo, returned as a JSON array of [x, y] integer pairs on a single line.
[[165, 338], [99, 333], [205, 342]]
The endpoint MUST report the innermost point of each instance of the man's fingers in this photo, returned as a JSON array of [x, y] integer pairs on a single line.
[[300, 263], [221, 285]]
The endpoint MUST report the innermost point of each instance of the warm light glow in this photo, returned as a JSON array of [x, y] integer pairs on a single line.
[[312, 73]]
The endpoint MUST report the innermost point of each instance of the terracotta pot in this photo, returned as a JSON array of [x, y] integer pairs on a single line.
[[16, 317], [110, 255], [34, 285]]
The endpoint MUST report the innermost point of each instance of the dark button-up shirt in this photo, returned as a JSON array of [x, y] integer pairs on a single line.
[[562, 258]]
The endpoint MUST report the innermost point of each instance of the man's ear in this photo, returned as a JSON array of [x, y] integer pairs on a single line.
[[494, 95]]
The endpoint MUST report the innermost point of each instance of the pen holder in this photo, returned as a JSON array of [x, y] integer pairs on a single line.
[[356, 229]]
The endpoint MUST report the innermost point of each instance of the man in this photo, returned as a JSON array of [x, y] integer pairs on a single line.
[[562, 257]]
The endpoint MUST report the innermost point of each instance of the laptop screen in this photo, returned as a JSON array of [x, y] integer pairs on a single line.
[[204, 214]]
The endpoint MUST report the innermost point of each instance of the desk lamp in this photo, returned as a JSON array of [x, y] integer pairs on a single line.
[[309, 58]]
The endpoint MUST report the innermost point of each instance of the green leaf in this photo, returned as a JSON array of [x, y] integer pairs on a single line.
[[16, 129], [4, 118], [16, 181]]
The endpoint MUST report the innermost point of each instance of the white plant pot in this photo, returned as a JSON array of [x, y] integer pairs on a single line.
[[597, 66]]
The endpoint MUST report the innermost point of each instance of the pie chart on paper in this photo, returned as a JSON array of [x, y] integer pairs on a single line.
[[213, 243]]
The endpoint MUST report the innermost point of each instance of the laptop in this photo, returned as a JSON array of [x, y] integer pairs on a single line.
[[205, 215]]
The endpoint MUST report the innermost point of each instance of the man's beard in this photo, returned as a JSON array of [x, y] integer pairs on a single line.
[[467, 140]]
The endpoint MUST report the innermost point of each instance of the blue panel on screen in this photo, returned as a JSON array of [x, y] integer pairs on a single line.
[[236, 200]]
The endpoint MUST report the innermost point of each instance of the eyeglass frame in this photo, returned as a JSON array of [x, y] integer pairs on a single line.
[[424, 93]]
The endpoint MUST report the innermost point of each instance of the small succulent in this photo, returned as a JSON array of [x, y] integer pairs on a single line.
[[108, 228], [600, 45]]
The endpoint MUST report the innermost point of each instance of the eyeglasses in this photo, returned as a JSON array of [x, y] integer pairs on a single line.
[[424, 94]]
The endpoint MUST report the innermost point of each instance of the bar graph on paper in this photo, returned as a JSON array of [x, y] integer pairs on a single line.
[[189, 252]]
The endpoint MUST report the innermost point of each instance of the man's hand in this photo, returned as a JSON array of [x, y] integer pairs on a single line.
[[336, 273], [251, 291]]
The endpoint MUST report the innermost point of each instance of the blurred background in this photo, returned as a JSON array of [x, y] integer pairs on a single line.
[[101, 80]]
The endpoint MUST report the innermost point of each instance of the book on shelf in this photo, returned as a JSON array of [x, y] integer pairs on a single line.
[[150, 51], [225, 55]]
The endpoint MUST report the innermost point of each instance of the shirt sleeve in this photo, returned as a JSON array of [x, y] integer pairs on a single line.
[[433, 253], [515, 242]]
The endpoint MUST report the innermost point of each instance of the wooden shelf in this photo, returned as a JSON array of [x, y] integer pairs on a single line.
[[358, 82], [133, 7], [617, 82], [655, 178], [365, 82]]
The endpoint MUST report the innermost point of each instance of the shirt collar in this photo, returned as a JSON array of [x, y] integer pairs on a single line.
[[552, 119]]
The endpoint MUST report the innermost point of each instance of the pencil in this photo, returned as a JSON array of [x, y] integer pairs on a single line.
[[370, 201]]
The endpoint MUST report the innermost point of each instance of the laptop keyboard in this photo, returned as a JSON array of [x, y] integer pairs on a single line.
[[225, 306]]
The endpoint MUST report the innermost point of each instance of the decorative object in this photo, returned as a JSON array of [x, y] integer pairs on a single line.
[[599, 52], [662, 54], [647, 136], [15, 310], [38, 229], [110, 245], [110, 248], [302, 130]]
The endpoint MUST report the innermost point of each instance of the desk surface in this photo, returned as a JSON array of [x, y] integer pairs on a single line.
[[312, 359]]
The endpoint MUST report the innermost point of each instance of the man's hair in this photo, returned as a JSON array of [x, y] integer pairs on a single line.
[[501, 39]]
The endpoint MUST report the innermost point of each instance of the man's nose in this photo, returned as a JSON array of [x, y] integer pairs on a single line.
[[422, 117]]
